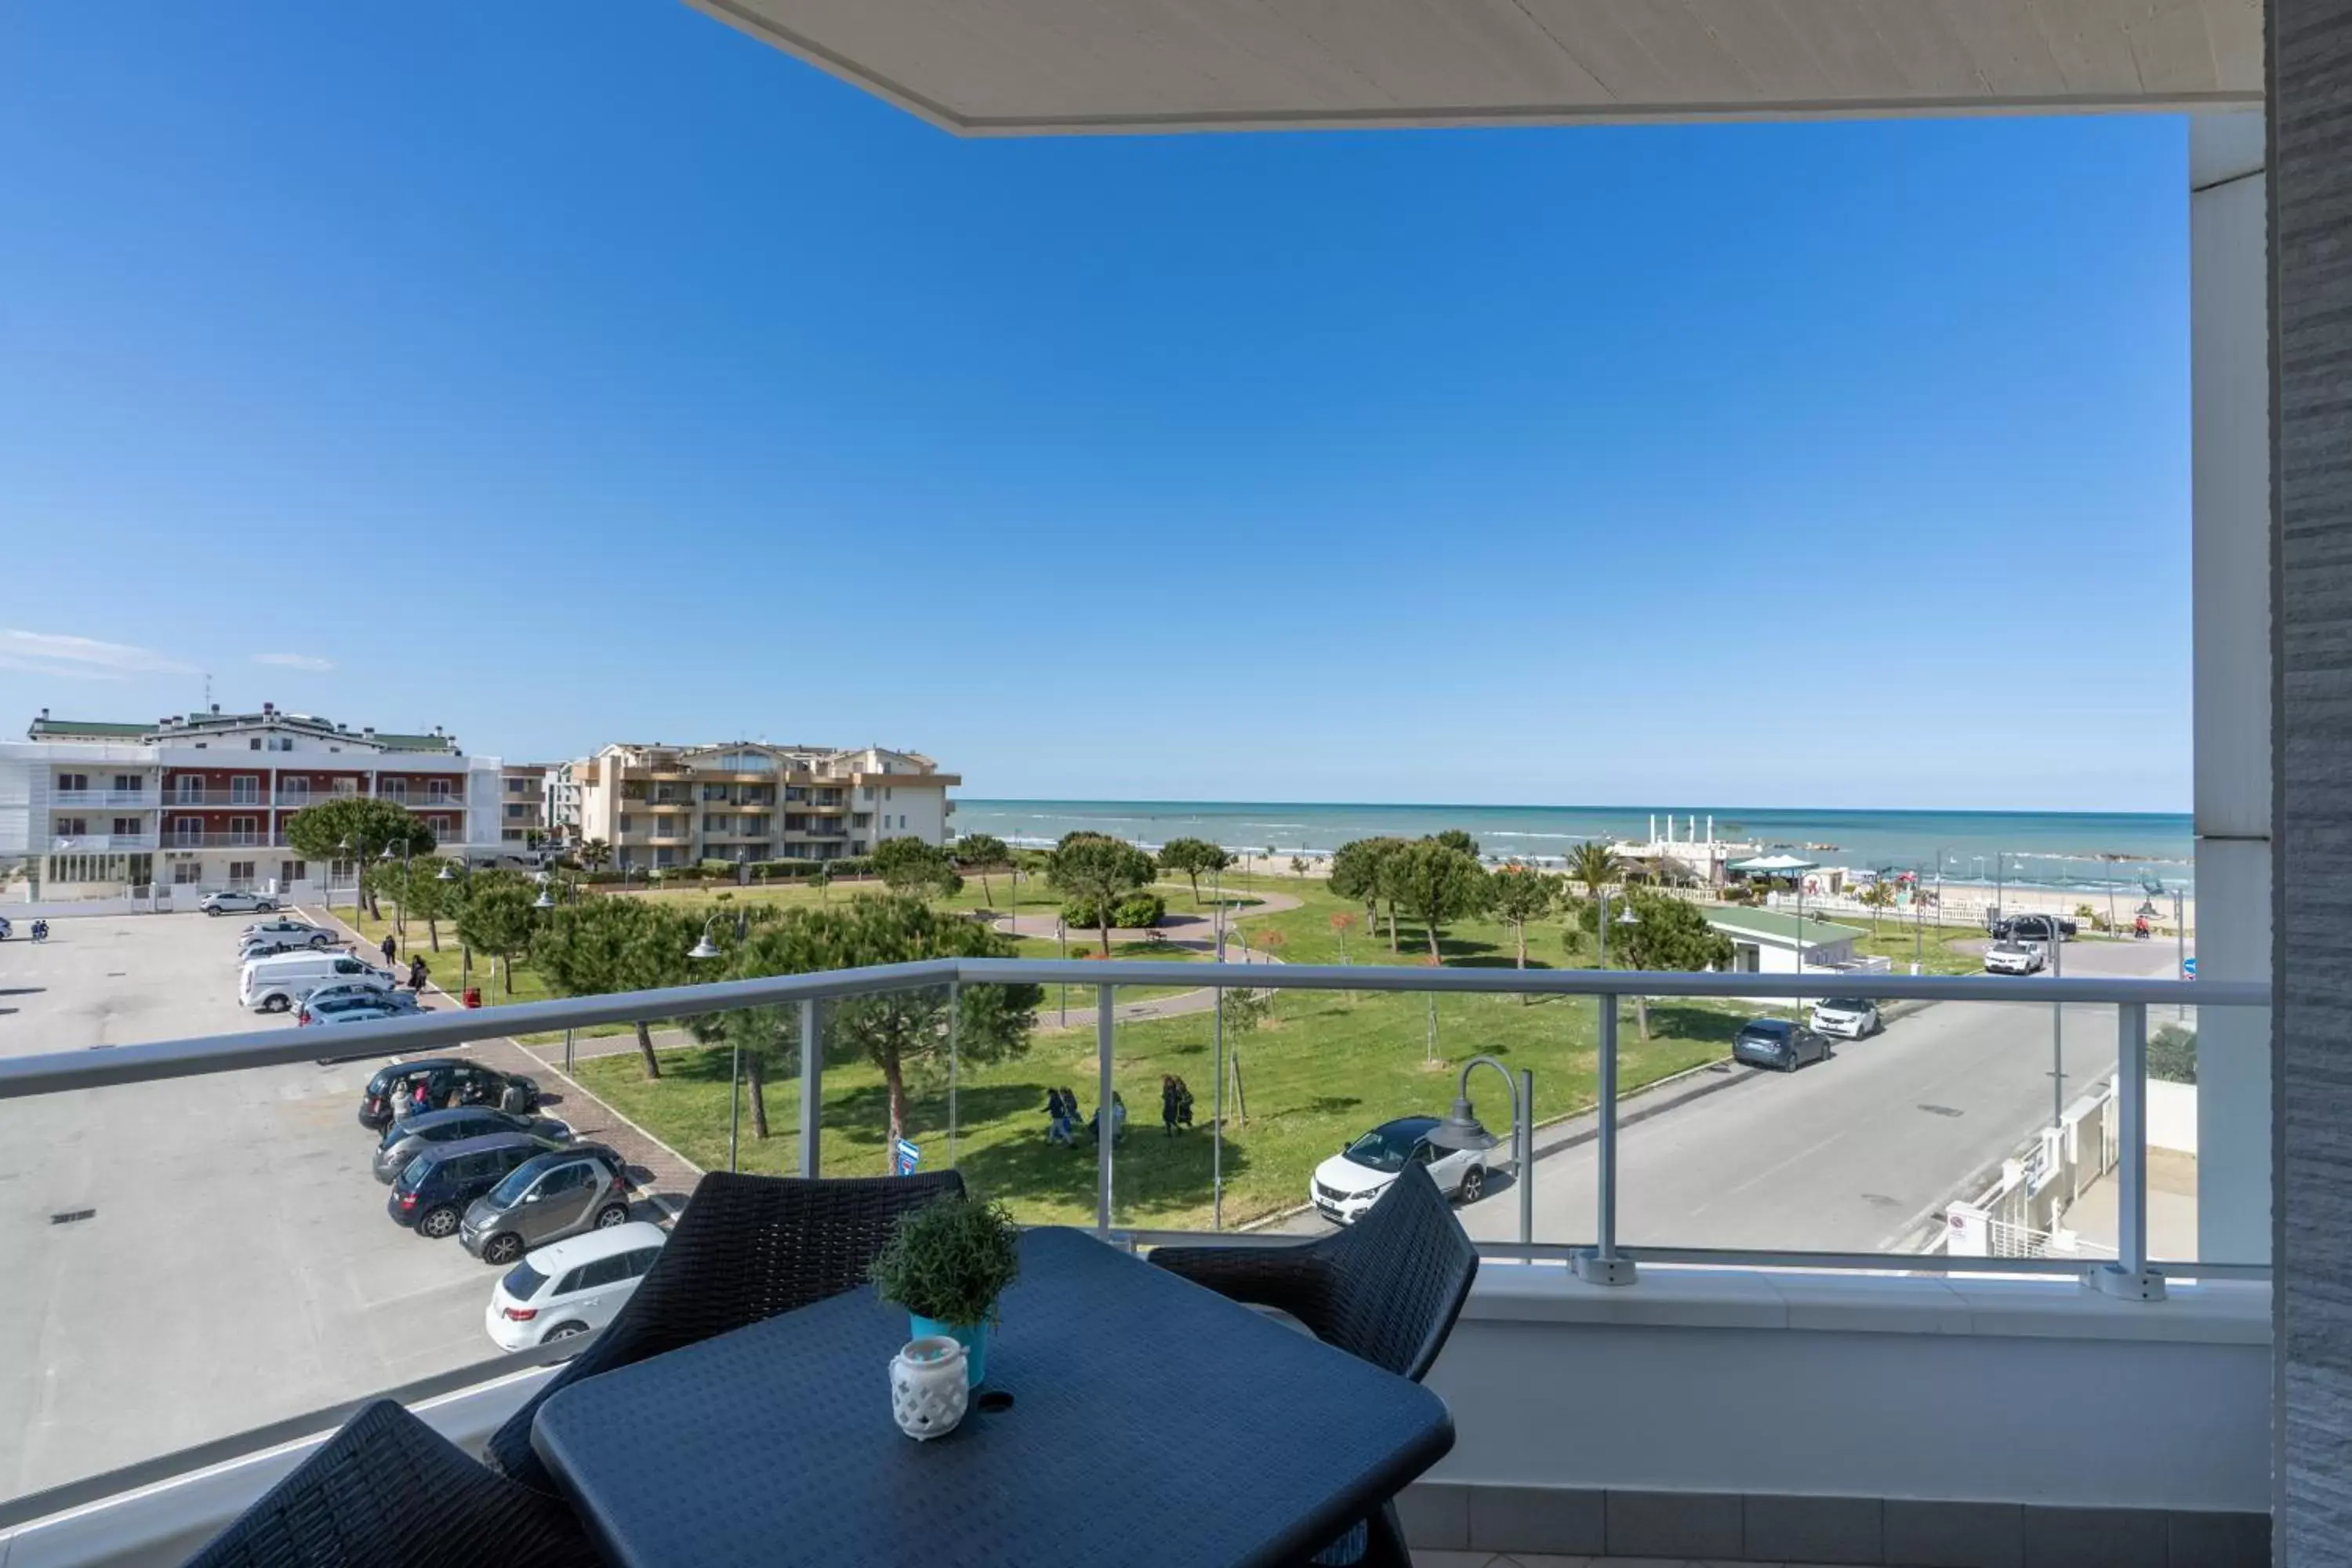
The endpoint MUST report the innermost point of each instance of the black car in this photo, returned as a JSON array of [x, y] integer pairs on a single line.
[[1777, 1043], [431, 1193], [411, 1135], [2031, 928], [448, 1082]]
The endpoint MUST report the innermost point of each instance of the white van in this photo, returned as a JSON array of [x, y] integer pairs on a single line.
[[273, 984]]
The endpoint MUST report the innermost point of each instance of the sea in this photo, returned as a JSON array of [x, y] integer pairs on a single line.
[[2086, 850]]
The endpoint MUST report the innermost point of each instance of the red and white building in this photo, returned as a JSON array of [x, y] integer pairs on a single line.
[[201, 801]]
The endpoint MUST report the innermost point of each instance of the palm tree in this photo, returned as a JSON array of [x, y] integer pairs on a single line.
[[594, 854], [1594, 864]]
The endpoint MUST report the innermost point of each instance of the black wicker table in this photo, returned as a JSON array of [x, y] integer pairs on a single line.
[[1152, 1421]]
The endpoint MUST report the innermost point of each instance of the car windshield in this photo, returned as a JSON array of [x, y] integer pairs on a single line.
[[508, 1192], [1765, 1029], [1841, 1004], [1381, 1150], [522, 1281], [2012, 949]]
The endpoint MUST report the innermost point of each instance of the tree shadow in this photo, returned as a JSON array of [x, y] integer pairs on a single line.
[[1685, 1022], [1155, 1174]]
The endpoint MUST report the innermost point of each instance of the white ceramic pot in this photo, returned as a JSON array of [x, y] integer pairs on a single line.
[[929, 1387]]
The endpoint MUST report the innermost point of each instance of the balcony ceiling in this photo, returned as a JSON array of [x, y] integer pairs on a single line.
[[1011, 67]]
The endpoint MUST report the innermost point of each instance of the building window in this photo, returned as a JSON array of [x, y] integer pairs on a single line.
[[665, 856], [436, 789], [294, 790], [240, 830], [339, 871], [187, 873], [514, 812], [71, 826], [885, 792], [510, 835], [72, 784], [126, 827], [254, 744], [625, 823], [345, 788], [129, 783], [869, 792], [292, 871], [392, 789], [516, 786], [240, 875], [245, 789], [189, 786], [283, 744]]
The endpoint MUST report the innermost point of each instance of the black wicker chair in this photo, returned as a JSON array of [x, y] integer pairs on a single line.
[[388, 1491], [746, 1248], [1387, 1289]]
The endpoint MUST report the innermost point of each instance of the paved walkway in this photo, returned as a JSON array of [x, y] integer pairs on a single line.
[[1187, 932]]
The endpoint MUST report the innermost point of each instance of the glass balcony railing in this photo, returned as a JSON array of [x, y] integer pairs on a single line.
[[85, 799], [1615, 1122]]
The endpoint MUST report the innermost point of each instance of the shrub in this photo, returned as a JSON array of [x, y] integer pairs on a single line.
[[950, 1260], [2172, 1054], [1134, 911]]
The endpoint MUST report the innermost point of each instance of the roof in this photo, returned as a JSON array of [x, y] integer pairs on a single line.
[[78, 729], [1013, 67], [574, 1250], [392, 742], [1779, 929]]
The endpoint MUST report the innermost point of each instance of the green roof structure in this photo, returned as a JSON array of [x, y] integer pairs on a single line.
[[1781, 930]]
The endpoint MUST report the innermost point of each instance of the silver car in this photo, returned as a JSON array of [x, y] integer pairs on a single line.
[[404, 1140], [547, 1198]]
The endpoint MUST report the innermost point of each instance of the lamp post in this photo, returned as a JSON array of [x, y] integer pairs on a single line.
[[2180, 944], [1462, 1130], [704, 950], [448, 873]]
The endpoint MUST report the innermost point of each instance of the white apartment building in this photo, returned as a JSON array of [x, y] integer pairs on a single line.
[[659, 807], [198, 802], [522, 805]]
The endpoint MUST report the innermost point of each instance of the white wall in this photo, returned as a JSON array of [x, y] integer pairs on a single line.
[[2172, 1115]]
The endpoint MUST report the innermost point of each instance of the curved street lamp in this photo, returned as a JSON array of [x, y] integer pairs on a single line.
[[1462, 1130], [705, 947]]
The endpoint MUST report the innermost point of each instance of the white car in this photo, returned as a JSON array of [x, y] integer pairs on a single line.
[[274, 984], [572, 1286], [1347, 1183], [230, 902], [287, 931], [1846, 1017], [2014, 958]]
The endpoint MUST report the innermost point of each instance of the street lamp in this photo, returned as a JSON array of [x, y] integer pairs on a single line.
[[704, 947], [1626, 917], [1463, 1129]]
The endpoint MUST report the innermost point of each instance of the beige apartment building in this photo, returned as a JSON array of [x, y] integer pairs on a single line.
[[523, 805], [660, 807]]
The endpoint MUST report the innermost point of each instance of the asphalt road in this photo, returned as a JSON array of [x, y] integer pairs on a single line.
[[1855, 1154], [239, 1267]]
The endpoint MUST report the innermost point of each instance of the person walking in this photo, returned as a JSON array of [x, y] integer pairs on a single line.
[[1184, 1103], [416, 973], [1170, 1101], [390, 947]]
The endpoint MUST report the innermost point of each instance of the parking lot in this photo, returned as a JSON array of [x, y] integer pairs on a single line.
[[234, 1264]]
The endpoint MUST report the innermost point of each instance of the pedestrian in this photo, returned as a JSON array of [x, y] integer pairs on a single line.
[[1057, 1126], [389, 948], [1169, 1102], [1184, 1102], [416, 973]]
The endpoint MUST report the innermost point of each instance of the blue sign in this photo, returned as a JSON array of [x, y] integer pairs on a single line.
[[2188, 969], [909, 1155]]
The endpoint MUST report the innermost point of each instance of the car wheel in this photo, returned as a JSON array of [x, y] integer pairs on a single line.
[[564, 1331], [502, 1249], [276, 1004], [612, 1214], [438, 1223], [1474, 1185], [321, 940], [214, 913]]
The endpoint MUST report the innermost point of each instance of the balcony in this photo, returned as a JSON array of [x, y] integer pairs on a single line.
[[255, 840], [250, 798], [1730, 1244], [294, 799], [85, 799], [99, 843]]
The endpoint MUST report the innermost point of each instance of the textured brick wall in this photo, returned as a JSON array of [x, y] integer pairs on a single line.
[[2311, 106]]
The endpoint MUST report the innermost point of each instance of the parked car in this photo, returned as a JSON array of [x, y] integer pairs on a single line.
[[391, 1094], [572, 1287], [356, 1009], [271, 946], [411, 1136], [2014, 958], [1846, 1017], [288, 930], [403, 1000], [275, 984], [1778, 1043], [2032, 928], [229, 902], [1347, 1184], [430, 1194], [584, 1187]]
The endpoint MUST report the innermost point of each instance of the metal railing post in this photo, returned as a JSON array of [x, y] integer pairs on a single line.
[[1603, 1265], [1105, 1123], [1527, 1152], [2129, 1277], [955, 1020], [812, 1090]]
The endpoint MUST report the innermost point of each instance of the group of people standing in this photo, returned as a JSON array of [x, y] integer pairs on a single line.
[[1062, 1112], [418, 977]]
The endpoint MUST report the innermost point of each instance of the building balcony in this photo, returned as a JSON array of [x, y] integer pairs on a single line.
[[253, 840], [251, 799], [100, 843], [1660, 1355], [295, 800], [142, 800]]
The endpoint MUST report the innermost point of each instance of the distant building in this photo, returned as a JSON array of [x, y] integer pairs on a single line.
[[522, 805], [659, 807], [1766, 942], [562, 801], [198, 802]]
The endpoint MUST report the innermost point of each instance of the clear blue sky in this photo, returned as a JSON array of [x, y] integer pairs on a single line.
[[566, 375]]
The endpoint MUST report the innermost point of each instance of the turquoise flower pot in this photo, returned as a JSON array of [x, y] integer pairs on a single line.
[[972, 1337]]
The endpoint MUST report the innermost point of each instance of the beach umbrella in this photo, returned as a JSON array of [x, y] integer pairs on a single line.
[[1772, 865]]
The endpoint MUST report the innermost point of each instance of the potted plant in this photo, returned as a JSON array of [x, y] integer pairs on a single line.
[[947, 1264]]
